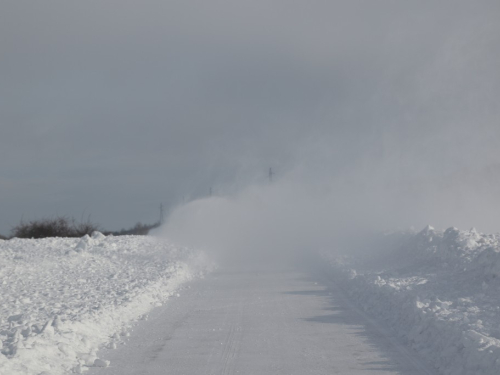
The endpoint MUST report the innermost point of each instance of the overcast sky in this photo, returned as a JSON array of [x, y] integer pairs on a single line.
[[108, 108]]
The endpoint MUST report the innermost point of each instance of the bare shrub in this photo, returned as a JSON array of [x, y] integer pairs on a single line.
[[52, 227], [84, 227]]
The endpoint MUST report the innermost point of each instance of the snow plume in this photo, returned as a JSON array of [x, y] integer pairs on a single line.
[[280, 220], [290, 216], [407, 134], [257, 223]]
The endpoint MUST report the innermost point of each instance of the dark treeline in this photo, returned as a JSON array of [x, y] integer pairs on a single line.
[[68, 227]]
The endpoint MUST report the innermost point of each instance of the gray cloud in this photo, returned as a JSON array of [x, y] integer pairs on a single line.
[[110, 107]]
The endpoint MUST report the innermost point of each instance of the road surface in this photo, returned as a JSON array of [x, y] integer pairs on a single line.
[[274, 321]]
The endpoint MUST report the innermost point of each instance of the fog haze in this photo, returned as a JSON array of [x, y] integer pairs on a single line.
[[372, 114]]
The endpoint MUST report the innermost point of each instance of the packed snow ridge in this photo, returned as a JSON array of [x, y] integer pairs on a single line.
[[62, 299], [439, 291]]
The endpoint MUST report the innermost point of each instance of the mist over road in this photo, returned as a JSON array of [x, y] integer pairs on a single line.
[[260, 321]]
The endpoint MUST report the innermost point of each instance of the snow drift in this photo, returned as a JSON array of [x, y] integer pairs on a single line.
[[438, 290], [61, 299]]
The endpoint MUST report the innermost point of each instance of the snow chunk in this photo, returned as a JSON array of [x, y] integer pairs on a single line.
[[100, 363], [98, 236]]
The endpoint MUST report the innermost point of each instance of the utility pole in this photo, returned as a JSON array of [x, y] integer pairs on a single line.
[[271, 174], [161, 213]]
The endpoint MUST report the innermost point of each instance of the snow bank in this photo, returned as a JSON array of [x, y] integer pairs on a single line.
[[62, 299], [439, 291]]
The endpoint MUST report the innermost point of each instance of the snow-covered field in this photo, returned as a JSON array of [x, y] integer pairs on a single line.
[[438, 290], [61, 299]]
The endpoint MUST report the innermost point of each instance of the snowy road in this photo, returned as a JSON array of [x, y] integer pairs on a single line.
[[259, 322]]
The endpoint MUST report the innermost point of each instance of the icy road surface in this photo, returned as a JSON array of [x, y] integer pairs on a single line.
[[259, 322]]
